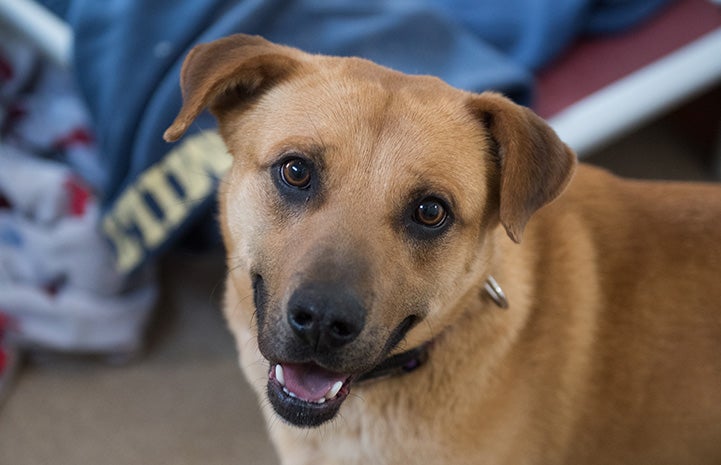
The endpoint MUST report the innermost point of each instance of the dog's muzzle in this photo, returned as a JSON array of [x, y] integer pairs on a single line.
[[307, 395], [313, 359]]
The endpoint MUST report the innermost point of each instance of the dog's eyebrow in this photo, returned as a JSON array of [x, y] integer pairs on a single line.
[[297, 144]]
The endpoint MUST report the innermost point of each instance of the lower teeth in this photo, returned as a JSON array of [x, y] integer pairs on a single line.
[[293, 395]]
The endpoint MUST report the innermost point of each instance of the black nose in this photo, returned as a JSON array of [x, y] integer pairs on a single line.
[[325, 317]]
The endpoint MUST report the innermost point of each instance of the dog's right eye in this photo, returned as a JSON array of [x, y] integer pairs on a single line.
[[428, 218], [296, 173]]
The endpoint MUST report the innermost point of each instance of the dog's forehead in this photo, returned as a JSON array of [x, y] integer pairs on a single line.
[[387, 124]]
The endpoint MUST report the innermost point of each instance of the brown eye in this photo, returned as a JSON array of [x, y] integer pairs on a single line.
[[296, 173], [430, 213]]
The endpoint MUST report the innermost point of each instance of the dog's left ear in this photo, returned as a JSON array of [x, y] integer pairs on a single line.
[[535, 165], [229, 71]]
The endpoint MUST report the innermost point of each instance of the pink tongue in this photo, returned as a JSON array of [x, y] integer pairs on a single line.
[[309, 381]]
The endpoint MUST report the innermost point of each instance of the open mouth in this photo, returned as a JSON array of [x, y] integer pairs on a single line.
[[305, 394]]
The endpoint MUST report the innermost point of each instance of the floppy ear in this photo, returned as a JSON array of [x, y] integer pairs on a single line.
[[535, 166], [229, 70]]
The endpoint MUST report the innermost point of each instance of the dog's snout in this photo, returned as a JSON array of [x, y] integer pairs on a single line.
[[325, 318]]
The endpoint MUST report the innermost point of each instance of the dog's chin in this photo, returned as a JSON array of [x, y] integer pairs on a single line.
[[306, 395]]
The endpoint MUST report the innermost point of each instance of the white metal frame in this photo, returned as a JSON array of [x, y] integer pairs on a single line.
[[636, 99], [50, 34]]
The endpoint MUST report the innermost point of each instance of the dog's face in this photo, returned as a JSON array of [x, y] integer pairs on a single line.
[[360, 202]]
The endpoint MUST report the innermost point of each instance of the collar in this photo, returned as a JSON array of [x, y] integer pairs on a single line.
[[398, 364], [412, 359]]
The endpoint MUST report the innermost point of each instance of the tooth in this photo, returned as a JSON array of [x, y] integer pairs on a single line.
[[320, 401], [333, 391], [279, 375]]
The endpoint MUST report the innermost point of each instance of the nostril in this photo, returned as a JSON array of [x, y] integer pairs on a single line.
[[341, 330], [304, 323], [302, 318]]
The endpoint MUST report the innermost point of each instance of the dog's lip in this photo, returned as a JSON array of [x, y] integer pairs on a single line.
[[309, 382]]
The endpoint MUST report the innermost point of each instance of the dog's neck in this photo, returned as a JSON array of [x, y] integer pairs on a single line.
[[412, 359]]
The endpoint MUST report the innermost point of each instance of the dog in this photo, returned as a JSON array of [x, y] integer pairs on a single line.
[[423, 275]]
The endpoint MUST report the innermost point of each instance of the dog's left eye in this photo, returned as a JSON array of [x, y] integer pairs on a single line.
[[427, 218], [296, 173], [430, 213]]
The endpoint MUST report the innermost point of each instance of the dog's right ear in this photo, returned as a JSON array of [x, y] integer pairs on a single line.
[[229, 70]]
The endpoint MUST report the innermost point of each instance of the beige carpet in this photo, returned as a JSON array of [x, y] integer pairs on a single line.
[[185, 401]]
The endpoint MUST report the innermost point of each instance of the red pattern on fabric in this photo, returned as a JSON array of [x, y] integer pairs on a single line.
[[79, 196], [4, 325], [6, 70], [78, 136]]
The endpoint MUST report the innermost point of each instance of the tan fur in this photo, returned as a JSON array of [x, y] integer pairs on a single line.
[[610, 352]]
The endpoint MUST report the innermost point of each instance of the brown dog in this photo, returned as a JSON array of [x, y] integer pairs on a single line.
[[364, 216]]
